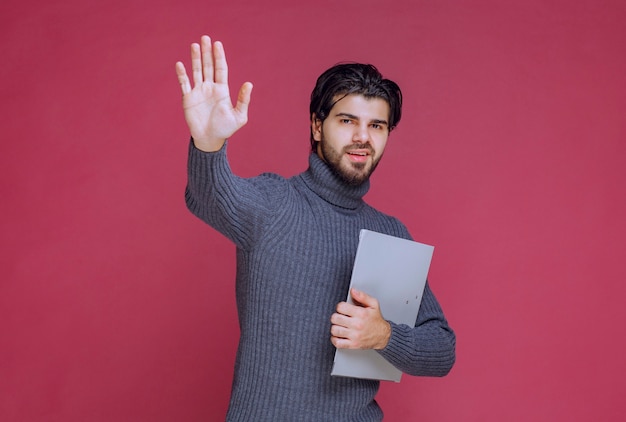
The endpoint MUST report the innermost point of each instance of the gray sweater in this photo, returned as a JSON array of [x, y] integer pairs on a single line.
[[296, 239]]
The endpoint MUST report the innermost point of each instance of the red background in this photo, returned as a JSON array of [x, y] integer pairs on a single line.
[[117, 305]]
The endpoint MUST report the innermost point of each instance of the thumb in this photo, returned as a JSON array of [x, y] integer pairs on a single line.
[[243, 99], [363, 299]]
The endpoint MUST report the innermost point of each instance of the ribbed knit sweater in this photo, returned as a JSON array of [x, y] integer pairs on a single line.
[[296, 239]]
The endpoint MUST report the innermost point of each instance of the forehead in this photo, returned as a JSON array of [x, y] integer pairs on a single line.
[[361, 106]]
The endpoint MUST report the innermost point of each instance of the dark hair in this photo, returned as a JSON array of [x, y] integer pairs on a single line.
[[353, 78]]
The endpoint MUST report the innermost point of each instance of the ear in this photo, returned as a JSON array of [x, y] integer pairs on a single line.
[[316, 127]]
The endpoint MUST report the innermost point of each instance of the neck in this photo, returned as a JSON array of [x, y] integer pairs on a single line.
[[327, 185]]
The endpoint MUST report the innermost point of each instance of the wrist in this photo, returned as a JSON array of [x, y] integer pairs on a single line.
[[386, 336], [208, 144]]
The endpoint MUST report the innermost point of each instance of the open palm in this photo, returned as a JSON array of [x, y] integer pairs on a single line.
[[207, 106]]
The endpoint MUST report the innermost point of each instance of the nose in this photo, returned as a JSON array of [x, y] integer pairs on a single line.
[[361, 133]]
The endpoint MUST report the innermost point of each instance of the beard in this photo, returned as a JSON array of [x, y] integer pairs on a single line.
[[353, 174]]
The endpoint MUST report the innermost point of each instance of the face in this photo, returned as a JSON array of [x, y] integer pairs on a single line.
[[353, 137]]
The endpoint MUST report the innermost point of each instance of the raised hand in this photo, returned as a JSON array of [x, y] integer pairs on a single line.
[[208, 108]]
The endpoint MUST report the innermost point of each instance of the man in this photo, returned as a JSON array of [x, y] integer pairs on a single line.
[[296, 240]]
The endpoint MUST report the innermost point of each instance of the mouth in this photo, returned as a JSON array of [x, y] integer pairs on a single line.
[[358, 155]]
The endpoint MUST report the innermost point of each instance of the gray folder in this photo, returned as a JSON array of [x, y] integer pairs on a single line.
[[394, 271]]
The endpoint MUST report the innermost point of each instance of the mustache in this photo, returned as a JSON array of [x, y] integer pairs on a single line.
[[367, 146]]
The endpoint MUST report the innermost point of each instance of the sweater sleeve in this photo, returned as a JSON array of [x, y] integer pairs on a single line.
[[239, 208], [428, 349]]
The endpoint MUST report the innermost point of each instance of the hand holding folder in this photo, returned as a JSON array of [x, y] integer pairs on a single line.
[[359, 325], [394, 271]]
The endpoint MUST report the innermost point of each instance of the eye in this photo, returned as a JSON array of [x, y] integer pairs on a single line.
[[346, 121]]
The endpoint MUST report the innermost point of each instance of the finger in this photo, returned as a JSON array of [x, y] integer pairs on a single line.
[[340, 320], [363, 299], [349, 310], [338, 331], [344, 308], [340, 343], [196, 64], [207, 57], [221, 68], [243, 100], [183, 79]]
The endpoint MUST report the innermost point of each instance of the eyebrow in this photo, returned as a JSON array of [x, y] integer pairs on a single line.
[[352, 116]]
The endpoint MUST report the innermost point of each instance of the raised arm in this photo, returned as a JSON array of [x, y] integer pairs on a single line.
[[208, 108]]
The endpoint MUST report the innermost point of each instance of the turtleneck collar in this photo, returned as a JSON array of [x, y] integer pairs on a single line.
[[321, 180]]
